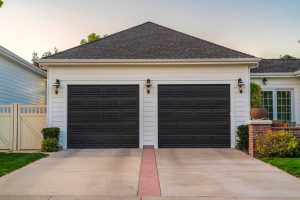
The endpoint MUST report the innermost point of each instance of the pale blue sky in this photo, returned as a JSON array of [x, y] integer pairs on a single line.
[[264, 28]]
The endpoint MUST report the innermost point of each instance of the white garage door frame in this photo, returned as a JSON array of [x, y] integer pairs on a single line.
[[64, 88], [65, 85], [232, 108]]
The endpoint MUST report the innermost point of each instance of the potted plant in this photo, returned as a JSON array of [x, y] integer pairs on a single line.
[[256, 111]]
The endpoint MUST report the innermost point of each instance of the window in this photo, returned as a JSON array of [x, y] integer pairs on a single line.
[[267, 102], [284, 106], [278, 104]]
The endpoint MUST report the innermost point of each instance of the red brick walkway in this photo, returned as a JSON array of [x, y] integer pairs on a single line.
[[149, 181]]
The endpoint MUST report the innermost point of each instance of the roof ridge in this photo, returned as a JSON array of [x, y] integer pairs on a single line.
[[199, 39]]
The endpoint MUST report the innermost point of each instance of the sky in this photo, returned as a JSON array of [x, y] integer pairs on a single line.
[[264, 28]]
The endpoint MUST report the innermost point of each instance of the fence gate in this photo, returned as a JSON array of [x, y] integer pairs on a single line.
[[6, 127], [21, 125]]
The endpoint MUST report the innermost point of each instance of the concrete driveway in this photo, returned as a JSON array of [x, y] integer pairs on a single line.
[[113, 174], [225, 173], [103, 172]]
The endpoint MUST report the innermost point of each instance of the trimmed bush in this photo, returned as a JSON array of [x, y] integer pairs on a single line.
[[243, 137], [51, 132], [255, 95], [50, 145], [276, 144], [51, 139]]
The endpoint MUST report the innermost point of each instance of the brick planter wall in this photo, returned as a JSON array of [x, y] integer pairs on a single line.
[[257, 127], [295, 130]]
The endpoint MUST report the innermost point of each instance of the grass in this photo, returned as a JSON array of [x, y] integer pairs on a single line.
[[290, 165], [12, 161]]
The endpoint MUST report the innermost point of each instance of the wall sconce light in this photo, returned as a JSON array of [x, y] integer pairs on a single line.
[[148, 85], [56, 85], [265, 81], [241, 85]]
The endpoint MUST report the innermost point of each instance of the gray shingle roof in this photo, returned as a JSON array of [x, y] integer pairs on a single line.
[[149, 41], [277, 66]]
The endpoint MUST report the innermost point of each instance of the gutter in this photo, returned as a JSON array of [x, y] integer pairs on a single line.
[[273, 75], [209, 61], [21, 61]]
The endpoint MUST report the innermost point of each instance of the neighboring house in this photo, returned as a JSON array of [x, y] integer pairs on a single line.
[[20, 81], [197, 94], [280, 82]]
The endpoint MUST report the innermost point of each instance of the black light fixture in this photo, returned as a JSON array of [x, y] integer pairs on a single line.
[[56, 85], [241, 85], [148, 85], [265, 81]]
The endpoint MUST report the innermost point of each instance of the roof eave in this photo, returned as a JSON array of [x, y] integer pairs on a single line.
[[273, 75], [21, 61], [53, 62]]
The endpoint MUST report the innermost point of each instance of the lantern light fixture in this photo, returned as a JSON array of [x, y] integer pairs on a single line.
[[56, 85], [148, 85], [265, 81], [241, 85]]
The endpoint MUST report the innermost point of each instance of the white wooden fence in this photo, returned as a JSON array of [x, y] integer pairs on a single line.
[[21, 125]]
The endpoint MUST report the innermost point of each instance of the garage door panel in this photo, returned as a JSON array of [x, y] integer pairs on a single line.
[[194, 116], [103, 116], [219, 101], [111, 90], [221, 140], [130, 114], [202, 101], [90, 114], [129, 101], [105, 141]]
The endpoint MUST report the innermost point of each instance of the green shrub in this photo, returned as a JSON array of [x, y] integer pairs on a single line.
[[243, 137], [276, 144], [51, 132], [255, 96], [50, 145], [51, 139]]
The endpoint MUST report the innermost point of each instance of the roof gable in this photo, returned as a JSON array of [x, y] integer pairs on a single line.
[[149, 41]]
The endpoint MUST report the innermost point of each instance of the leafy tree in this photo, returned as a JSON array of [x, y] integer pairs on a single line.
[[1, 3], [255, 95], [47, 53], [90, 38], [35, 56]]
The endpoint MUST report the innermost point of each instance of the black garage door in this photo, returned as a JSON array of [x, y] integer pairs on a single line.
[[103, 116], [193, 116]]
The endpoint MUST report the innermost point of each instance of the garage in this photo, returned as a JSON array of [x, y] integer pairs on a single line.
[[103, 116], [193, 116]]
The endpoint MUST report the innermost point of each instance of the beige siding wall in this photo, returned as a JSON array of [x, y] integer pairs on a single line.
[[176, 74]]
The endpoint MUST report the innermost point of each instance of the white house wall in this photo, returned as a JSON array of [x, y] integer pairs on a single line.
[[18, 84], [290, 83], [184, 74]]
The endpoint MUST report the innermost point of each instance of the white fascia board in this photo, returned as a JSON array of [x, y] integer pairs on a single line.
[[21, 61], [209, 61], [274, 75]]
